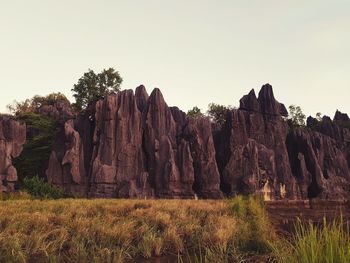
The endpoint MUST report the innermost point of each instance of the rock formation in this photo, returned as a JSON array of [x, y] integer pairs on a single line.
[[320, 164], [251, 150], [136, 146], [59, 110], [12, 138]]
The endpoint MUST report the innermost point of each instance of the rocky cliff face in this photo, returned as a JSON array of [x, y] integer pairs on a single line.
[[12, 138], [251, 148], [136, 146]]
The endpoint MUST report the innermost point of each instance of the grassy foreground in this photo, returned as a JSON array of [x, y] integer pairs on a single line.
[[79, 230]]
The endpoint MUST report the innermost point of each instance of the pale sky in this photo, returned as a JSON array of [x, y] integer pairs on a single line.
[[195, 51]]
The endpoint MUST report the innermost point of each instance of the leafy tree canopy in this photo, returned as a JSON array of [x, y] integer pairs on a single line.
[[195, 112], [296, 116], [92, 86], [218, 113]]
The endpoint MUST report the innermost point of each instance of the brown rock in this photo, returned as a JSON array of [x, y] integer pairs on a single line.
[[135, 146], [207, 178], [268, 104], [251, 151], [66, 164], [141, 97], [250, 102], [339, 116], [60, 110], [164, 155], [319, 163], [118, 160], [12, 139]]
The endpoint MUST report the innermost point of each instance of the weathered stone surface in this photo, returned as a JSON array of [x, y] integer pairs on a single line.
[[249, 102], [207, 178], [12, 138], [66, 165], [268, 104], [135, 146], [319, 163], [169, 159], [251, 150], [118, 159], [339, 116], [339, 129], [61, 110], [141, 97]]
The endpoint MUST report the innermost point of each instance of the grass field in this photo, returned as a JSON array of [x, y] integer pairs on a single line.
[[79, 230]]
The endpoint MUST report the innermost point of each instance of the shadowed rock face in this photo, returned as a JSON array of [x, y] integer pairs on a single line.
[[207, 178], [12, 138], [135, 146], [319, 163], [169, 159], [251, 150]]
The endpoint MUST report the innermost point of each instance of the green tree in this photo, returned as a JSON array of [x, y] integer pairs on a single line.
[[296, 116], [217, 112], [92, 86], [195, 112]]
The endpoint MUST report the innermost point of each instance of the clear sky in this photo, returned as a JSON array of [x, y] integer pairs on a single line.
[[195, 51]]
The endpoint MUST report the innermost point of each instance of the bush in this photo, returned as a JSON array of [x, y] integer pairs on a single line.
[[38, 188], [256, 232]]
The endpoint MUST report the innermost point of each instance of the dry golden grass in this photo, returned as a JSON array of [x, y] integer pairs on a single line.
[[78, 230]]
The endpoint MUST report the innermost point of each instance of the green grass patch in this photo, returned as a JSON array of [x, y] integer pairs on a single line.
[[326, 243]]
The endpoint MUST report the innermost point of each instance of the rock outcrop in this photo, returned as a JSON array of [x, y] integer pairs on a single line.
[[320, 164], [251, 150], [136, 146], [59, 110], [12, 138]]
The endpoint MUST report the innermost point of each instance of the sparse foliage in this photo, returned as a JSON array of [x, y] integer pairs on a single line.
[[92, 86], [34, 104], [217, 112], [296, 116], [195, 112]]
